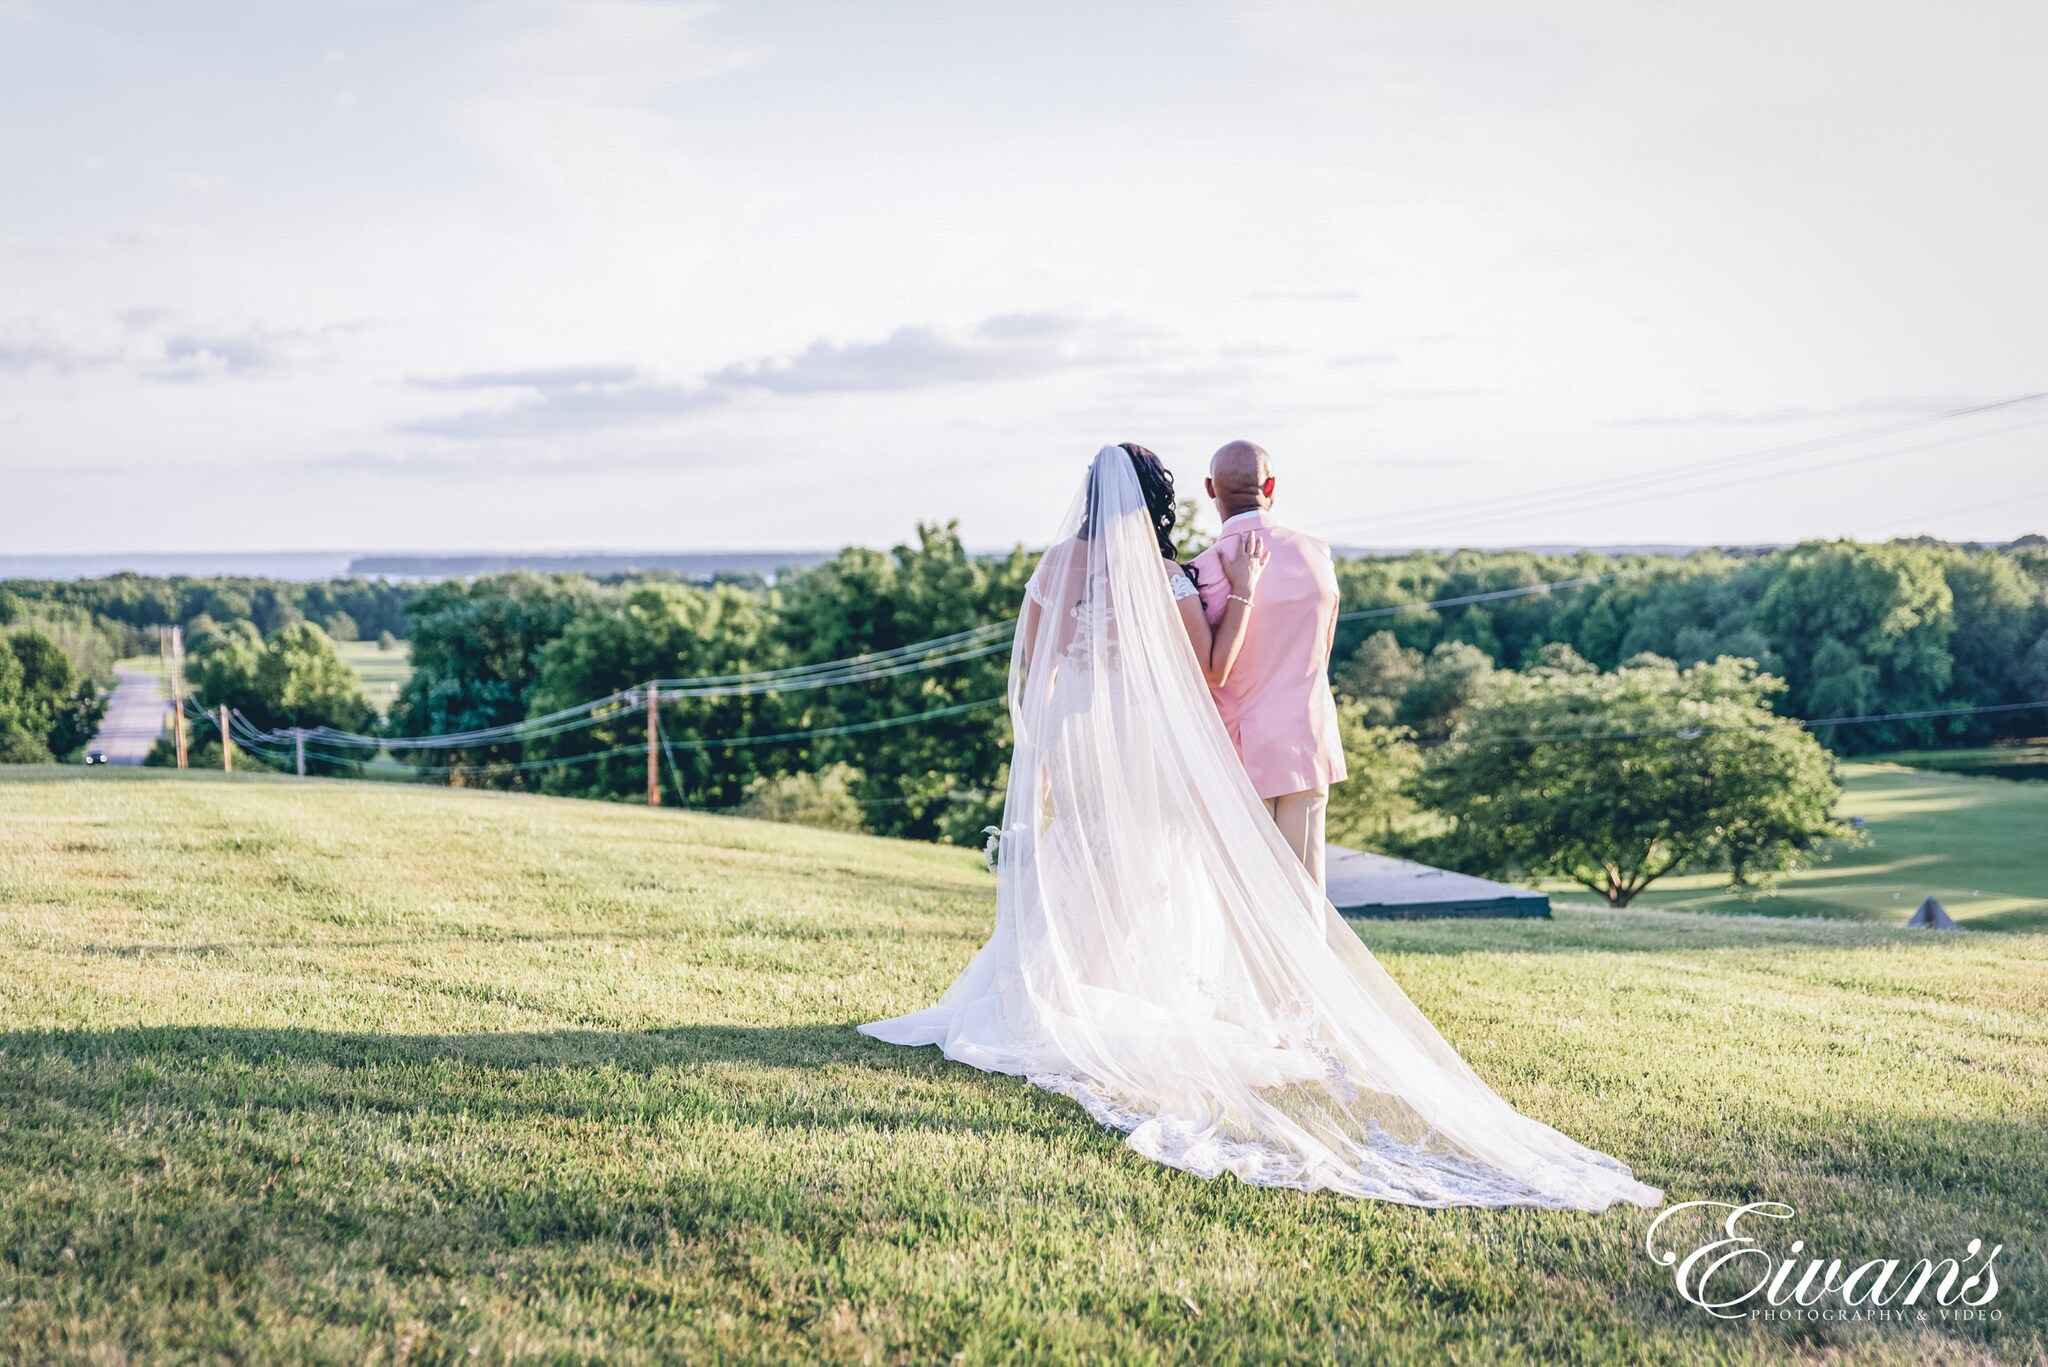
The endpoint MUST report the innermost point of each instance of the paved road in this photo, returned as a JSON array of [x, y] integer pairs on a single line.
[[135, 718]]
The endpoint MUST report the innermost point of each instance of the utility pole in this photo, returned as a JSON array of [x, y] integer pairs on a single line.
[[227, 746], [653, 741], [178, 689], [299, 735]]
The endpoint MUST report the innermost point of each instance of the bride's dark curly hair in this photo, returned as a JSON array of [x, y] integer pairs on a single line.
[[1157, 482]]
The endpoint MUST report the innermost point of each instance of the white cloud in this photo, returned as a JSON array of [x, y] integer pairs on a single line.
[[159, 344], [586, 398], [1558, 242]]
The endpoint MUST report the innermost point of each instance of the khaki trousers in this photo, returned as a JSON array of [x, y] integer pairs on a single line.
[[1301, 817]]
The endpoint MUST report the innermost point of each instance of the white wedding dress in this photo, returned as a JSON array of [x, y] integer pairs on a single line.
[[1162, 958]]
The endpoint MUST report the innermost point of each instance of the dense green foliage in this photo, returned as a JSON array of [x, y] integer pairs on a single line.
[[656, 631], [942, 778], [46, 711], [137, 604], [1853, 630], [476, 663], [1615, 780], [350, 1073], [291, 679]]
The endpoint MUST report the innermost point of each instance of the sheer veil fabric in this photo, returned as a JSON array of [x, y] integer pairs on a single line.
[[1160, 957]]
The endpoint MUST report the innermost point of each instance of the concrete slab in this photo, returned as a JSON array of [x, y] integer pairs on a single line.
[[1375, 885]]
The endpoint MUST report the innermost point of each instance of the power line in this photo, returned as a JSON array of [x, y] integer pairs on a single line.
[[917, 657], [241, 728], [1609, 490], [1691, 733], [1492, 595]]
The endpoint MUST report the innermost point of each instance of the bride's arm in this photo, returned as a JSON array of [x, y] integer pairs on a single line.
[[1217, 649], [1191, 614]]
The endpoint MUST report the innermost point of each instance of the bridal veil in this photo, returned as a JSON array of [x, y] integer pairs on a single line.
[[1159, 955]]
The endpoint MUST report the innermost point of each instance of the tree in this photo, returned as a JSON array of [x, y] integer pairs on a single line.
[[1616, 780], [1862, 629], [824, 799], [1364, 584], [1371, 806], [1998, 613], [293, 679], [940, 777], [1189, 537], [46, 712], [476, 663], [1452, 679], [657, 631], [1376, 675]]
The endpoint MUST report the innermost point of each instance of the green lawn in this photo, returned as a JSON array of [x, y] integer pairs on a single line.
[[383, 672], [352, 1072], [2029, 762], [1980, 845]]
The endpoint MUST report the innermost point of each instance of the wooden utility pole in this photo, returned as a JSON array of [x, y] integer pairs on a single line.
[[178, 689], [227, 746], [653, 742], [299, 735]]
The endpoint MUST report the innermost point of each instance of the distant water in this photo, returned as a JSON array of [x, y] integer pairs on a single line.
[[252, 564], [309, 565]]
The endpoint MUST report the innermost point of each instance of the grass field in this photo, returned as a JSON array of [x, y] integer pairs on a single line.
[[347, 1072], [2028, 762], [381, 672], [1980, 845]]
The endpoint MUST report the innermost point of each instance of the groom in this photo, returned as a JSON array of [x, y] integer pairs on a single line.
[[1275, 697]]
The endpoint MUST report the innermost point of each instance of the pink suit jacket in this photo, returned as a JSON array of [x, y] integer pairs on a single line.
[[1276, 702]]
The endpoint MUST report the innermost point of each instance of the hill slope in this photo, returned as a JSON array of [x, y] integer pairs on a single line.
[[340, 1071], [1979, 844]]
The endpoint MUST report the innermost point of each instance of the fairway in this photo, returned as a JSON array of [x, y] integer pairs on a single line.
[[382, 673], [357, 1072], [1980, 845]]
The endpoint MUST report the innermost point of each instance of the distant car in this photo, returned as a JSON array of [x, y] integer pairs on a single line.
[[95, 757]]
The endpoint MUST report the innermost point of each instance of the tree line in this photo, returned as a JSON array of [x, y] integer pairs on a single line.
[[1439, 705]]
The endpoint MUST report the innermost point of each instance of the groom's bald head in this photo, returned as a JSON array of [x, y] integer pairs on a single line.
[[1240, 479]]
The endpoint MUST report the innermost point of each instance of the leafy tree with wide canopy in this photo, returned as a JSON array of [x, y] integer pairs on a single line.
[[292, 678], [476, 664], [1861, 630], [46, 711], [658, 631], [1615, 780], [942, 778]]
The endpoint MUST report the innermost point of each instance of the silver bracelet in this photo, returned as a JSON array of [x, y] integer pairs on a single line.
[[1240, 598]]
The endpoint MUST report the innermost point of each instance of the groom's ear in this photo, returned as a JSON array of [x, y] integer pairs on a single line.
[[1267, 488], [1208, 486]]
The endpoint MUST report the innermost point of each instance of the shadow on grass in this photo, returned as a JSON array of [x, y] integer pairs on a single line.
[[832, 1076]]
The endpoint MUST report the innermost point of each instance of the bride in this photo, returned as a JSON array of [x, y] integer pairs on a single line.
[[1162, 957]]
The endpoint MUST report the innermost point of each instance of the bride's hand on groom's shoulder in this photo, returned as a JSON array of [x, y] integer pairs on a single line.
[[1244, 559]]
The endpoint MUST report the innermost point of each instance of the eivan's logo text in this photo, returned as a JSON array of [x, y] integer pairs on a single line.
[[1731, 1275]]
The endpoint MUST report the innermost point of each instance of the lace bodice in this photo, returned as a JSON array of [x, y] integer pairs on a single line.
[[1177, 583]]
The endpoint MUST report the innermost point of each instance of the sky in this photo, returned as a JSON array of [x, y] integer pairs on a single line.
[[604, 274]]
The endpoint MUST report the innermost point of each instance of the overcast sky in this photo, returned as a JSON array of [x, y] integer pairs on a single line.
[[666, 276]]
